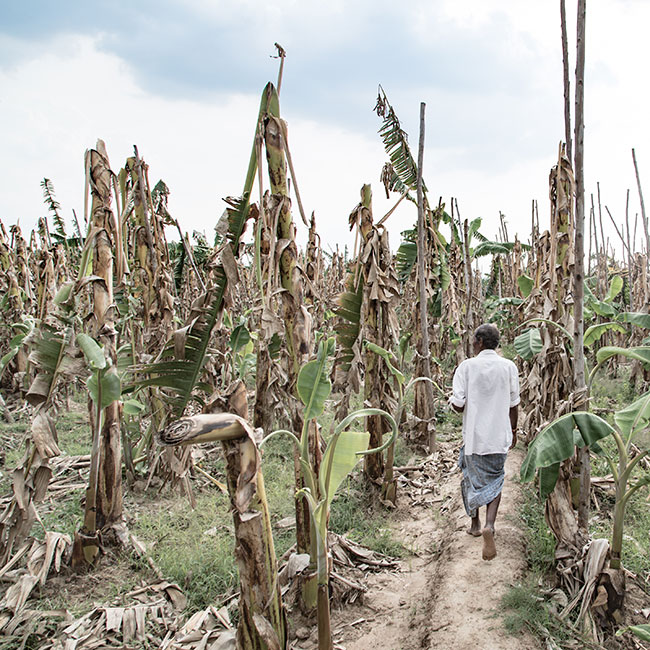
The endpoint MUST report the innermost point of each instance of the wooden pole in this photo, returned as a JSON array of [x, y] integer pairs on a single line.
[[422, 289], [630, 250], [595, 231], [567, 87], [602, 258], [578, 285], [644, 217]]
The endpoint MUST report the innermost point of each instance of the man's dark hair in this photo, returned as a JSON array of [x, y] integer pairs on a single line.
[[488, 335]]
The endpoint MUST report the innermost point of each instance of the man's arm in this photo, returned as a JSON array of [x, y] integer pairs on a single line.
[[457, 399], [514, 416]]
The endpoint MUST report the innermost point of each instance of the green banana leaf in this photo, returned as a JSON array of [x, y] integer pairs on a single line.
[[634, 416], [239, 338], [525, 285], [48, 354], [636, 318], [615, 287], [341, 456], [314, 387], [548, 479], [528, 343], [349, 309], [558, 440], [509, 300], [92, 351], [641, 631], [111, 387], [405, 259], [640, 353], [493, 248], [25, 327], [595, 332]]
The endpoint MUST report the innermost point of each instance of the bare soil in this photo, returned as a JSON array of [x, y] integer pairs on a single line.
[[444, 595]]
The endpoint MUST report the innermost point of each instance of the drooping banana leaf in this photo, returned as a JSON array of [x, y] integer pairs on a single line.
[[180, 374], [636, 318], [494, 247], [634, 416], [595, 332], [440, 270], [615, 287], [179, 266], [640, 353], [528, 343], [340, 458], [396, 143], [393, 183], [558, 440], [48, 353]]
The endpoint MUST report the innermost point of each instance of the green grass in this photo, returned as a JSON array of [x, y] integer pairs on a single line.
[[523, 603], [194, 548], [74, 433], [540, 543], [526, 611]]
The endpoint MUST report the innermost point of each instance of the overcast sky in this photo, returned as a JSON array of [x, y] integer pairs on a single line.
[[182, 80]]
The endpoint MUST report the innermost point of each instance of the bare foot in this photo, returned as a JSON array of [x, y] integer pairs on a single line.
[[489, 548], [474, 532]]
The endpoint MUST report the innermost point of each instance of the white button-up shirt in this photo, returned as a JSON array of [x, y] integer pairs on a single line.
[[487, 385]]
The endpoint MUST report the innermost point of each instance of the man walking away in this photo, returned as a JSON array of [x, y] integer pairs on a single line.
[[486, 392]]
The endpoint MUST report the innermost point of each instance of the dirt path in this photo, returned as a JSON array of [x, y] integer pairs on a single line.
[[445, 595]]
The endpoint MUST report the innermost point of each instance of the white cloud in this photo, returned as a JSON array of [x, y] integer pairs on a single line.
[[491, 145]]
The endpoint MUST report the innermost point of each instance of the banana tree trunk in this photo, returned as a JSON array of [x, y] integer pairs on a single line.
[[296, 318], [104, 494], [262, 622], [374, 463]]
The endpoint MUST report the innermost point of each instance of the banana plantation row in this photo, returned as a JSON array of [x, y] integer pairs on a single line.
[[248, 337]]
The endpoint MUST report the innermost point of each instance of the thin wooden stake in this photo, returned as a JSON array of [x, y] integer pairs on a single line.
[[578, 292], [644, 217]]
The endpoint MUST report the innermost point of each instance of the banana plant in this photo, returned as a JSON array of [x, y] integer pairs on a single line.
[[104, 388], [558, 440], [342, 452], [262, 620], [389, 484]]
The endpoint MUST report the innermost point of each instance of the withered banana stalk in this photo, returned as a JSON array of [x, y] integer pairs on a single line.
[[262, 622]]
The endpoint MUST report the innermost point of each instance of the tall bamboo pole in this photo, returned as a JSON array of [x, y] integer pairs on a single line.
[[567, 87], [644, 217], [422, 289], [578, 287]]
